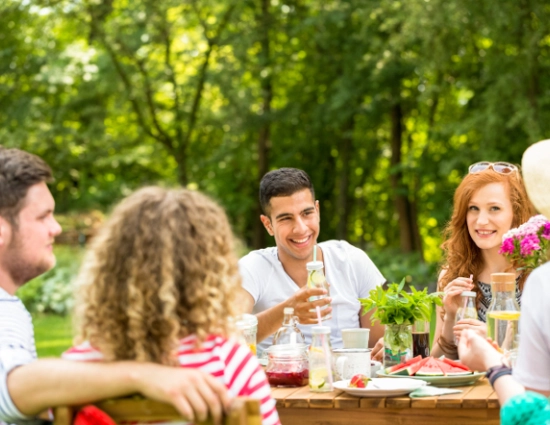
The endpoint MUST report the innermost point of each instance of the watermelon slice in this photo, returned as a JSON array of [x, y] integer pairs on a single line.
[[411, 369], [393, 369], [456, 364], [450, 370], [430, 368]]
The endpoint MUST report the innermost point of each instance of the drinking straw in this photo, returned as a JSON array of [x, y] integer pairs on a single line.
[[318, 309], [315, 253], [325, 349]]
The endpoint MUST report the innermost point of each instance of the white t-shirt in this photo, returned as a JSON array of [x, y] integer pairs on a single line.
[[533, 365], [16, 348], [349, 271]]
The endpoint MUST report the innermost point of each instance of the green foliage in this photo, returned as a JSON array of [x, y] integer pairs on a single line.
[[52, 333], [52, 292], [394, 264], [396, 306], [116, 95]]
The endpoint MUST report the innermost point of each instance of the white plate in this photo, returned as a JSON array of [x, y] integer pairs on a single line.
[[382, 387], [446, 381]]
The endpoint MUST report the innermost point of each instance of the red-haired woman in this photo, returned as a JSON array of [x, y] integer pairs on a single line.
[[489, 201]]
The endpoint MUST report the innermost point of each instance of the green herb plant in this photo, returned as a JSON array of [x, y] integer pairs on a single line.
[[395, 306]]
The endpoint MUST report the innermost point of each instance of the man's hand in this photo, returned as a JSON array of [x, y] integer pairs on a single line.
[[304, 309], [378, 350], [193, 392]]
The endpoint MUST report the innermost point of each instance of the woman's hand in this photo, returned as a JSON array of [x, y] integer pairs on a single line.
[[452, 299], [477, 326]]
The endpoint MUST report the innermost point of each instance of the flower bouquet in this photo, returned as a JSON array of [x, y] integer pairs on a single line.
[[526, 246]]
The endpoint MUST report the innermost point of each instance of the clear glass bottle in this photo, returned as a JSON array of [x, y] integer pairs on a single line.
[[247, 324], [289, 332], [316, 279], [468, 309], [320, 360], [503, 314]]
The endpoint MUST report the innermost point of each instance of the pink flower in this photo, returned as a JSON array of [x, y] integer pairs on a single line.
[[507, 246], [529, 244], [546, 231]]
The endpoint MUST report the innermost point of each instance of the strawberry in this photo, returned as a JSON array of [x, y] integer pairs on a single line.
[[359, 381]]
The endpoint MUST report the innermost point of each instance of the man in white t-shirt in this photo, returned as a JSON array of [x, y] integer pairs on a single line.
[[29, 386], [275, 278]]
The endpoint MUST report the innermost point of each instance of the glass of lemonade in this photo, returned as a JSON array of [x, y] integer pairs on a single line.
[[248, 327], [320, 361], [316, 279]]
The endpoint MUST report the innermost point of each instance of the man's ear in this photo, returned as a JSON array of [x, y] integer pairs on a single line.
[[318, 208], [5, 231], [267, 224]]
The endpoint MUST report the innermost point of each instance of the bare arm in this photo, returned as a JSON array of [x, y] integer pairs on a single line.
[[270, 320], [443, 328], [476, 353], [54, 382], [445, 323]]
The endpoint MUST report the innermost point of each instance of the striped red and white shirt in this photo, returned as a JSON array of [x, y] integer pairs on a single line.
[[226, 360]]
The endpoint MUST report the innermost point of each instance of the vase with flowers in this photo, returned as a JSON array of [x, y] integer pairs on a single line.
[[526, 246], [398, 310]]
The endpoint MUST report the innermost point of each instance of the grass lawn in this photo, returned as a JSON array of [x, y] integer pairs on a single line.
[[53, 334]]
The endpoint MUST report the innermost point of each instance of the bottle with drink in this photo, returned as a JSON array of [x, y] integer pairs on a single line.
[[316, 279], [503, 314], [320, 360], [468, 309], [289, 333]]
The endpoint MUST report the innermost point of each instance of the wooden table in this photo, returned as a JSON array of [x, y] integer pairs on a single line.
[[475, 405]]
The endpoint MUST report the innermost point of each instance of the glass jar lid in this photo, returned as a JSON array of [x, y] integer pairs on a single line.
[[286, 351], [320, 330], [314, 265]]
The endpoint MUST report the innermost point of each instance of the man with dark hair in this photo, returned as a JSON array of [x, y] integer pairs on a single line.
[[275, 278], [29, 386]]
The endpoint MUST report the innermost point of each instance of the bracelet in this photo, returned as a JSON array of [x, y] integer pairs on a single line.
[[496, 372]]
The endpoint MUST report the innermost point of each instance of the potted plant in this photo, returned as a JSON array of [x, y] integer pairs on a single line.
[[398, 310]]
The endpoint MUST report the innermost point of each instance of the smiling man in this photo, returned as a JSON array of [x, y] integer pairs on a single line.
[[28, 386], [275, 278]]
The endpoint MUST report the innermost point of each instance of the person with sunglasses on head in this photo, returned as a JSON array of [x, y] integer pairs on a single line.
[[523, 392], [490, 200]]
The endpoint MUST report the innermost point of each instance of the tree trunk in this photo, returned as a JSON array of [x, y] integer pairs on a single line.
[[264, 141], [343, 206], [409, 234]]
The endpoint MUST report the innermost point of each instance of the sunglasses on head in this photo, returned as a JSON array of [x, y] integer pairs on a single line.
[[499, 167]]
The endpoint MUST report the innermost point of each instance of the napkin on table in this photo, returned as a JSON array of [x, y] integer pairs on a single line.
[[429, 391]]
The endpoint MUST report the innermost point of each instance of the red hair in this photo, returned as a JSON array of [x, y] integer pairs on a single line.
[[462, 257]]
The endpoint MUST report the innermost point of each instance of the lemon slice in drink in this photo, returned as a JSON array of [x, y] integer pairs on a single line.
[[317, 278], [317, 378]]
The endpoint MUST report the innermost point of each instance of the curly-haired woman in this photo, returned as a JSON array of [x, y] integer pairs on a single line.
[[489, 201], [159, 284]]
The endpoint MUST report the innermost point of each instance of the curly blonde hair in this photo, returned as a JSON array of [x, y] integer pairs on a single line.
[[161, 268], [462, 256]]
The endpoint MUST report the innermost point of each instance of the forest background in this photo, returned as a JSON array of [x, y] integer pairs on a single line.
[[384, 103]]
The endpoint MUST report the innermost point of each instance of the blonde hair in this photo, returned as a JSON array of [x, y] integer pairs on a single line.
[[161, 268]]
